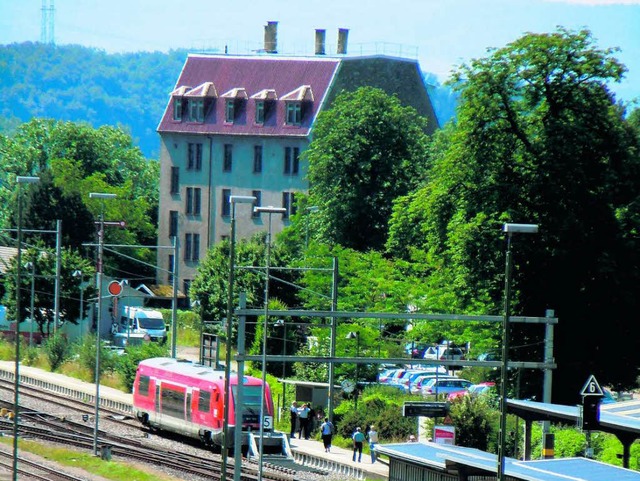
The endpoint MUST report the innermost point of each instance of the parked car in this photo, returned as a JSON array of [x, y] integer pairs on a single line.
[[490, 356], [426, 371], [444, 353], [444, 386], [385, 376], [416, 386], [473, 390]]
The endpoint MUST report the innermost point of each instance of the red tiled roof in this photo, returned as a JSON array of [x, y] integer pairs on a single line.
[[261, 78]]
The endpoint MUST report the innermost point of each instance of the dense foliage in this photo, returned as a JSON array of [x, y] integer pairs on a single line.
[[74, 83], [360, 160], [539, 139]]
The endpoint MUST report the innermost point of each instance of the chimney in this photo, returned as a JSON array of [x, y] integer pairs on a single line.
[[271, 37], [320, 38], [343, 34]]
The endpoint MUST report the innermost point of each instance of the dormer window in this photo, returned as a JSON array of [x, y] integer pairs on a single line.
[[264, 101], [294, 113], [199, 99], [260, 112], [196, 110], [177, 108], [229, 111], [296, 103]]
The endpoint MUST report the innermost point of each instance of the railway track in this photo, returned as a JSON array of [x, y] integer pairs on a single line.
[[59, 426]]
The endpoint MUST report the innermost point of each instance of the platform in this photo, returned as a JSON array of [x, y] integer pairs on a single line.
[[339, 459]]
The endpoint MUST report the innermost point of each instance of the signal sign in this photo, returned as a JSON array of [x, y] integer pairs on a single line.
[[592, 388], [115, 288]]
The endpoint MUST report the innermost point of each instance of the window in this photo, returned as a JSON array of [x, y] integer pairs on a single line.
[[294, 113], [260, 112], [194, 156], [172, 402], [177, 108], [257, 159], [228, 158], [288, 202], [186, 285], [187, 247], [258, 195], [229, 111], [192, 247], [291, 160], [226, 202], [204, 401], [189, 206], [193, 201], [170, 269], [196, 110], [175, 180], [195, 251], [143, 385], [173, 223]]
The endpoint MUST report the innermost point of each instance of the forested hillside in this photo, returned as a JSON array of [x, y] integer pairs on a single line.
[[84, 84]]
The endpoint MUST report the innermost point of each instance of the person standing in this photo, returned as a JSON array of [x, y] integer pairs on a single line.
[[326, 429], [358, 440], [293, 412], [303, 415], [373, 441]]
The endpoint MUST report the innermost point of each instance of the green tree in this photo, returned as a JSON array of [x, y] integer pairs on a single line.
[[474, 418], [366, 151], [539, 139], [43, 265]]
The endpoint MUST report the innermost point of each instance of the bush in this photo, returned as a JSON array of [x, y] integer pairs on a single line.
[[86, 354], [128, 363], [57, 350]]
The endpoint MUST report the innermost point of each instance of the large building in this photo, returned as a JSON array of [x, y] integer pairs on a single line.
[[236, 125]]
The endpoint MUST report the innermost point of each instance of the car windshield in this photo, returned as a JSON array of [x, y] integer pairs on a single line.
[[151, 323]]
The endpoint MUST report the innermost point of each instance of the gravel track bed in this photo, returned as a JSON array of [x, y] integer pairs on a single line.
[[152, 440]]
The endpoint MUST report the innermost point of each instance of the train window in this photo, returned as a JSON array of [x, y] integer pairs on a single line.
[[143, 386], [172, 402], [204, 401]]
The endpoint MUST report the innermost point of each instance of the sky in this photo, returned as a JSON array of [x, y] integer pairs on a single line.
[[440, 34]]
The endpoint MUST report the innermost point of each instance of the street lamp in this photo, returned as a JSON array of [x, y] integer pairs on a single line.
[[32, 267], [103, 197], [510, 229], [233, 200], [16, 408], [267, 210], [356, 335]]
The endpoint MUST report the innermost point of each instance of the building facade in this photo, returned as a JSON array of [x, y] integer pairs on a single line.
[[237, 125]]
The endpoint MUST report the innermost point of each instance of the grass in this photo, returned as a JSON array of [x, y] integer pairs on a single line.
[[113, 470]]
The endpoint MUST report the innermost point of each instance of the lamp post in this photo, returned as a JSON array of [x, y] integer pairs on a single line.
[[510, 229], [103, 197], [233, 200], [16, 408], [32, 267], [268, 210], [78, 273], [282, 323], [356, 335]]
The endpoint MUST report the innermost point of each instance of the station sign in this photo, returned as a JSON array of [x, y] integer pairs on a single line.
[[427, 409]]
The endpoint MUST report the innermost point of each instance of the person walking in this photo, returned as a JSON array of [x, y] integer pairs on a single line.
[[293, 412], [358, 440], [373, 441], [326, 429], [303, 416]]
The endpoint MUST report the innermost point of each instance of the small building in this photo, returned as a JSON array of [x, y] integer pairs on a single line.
[[426, 461]]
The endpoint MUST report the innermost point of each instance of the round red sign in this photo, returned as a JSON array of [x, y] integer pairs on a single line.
[[115, 288]]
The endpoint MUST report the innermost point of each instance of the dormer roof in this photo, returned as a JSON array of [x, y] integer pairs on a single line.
[[236, 93], [265, 94], [206, 89], [302, 93]]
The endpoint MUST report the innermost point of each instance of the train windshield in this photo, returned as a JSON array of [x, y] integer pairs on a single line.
[[251, 396]]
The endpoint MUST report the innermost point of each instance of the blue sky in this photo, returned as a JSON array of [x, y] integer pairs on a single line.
[[440, 33]]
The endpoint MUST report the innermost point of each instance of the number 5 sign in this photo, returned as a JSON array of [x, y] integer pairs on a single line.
[[592, 388], [267, 422]]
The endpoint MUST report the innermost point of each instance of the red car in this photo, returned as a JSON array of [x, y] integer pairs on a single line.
[[475, 390]]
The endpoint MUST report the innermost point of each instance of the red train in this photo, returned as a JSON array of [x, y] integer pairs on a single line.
[[188, 398]]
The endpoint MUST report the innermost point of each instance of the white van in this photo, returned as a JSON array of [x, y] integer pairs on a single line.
[[140, 321]]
